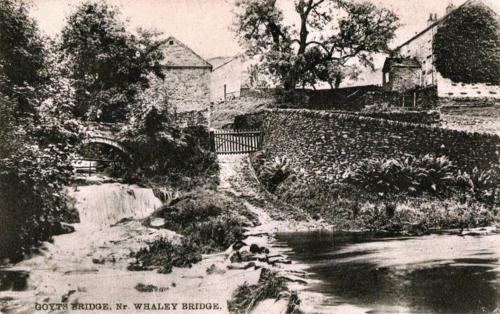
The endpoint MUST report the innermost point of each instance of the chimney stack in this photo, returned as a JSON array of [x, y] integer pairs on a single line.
[[431, 19], [450, 8]]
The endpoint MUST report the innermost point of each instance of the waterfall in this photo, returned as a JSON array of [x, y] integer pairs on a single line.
[[102, 205]]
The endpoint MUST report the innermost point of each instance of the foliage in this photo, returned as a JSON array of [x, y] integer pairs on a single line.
[[164, 255], [246, 296], [409, 175], [418, 217], [21, 54], [409, 195], [482, 185], [216, 234], [34, 168], [271, 174], [467, 45], [37, 137], [109, 66], [190, 210], [321, 47], [207, 218], [160, 149]]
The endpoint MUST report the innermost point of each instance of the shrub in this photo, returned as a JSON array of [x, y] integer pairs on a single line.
[[188, 212], [160, 150], [409, 175], [246, 296], [271, 174], [163, 255], [482, 185], [34, 170], [248, 121], [207, 218], [216, 234]]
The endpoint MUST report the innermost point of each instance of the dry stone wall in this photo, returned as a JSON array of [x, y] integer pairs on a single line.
[[325, 144]]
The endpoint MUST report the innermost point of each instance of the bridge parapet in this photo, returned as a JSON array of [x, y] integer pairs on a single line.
[[102, 129], [105, 133]]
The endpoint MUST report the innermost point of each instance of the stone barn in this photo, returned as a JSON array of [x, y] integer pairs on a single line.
[[401, 74], [187, 77]]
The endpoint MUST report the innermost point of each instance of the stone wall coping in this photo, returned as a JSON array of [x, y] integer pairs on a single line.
[[381, 121]]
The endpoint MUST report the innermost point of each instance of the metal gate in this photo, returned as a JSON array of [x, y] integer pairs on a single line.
[[235, 142]]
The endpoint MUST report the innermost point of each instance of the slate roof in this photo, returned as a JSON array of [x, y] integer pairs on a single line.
[[400, 62]]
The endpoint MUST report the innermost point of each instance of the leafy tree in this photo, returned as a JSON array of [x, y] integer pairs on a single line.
[[330, 33], [21, 54], [108, 65], [467, 46], [37, 136]]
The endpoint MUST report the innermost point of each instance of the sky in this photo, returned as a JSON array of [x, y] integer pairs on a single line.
[[204, 25]]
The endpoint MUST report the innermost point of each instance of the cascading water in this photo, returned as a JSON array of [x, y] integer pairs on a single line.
[[100, 206]]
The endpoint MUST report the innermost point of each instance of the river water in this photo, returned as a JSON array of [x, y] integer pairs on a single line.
[[369, 273]]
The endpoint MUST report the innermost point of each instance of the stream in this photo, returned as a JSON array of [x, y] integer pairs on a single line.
[[369, 273], [86, 271]]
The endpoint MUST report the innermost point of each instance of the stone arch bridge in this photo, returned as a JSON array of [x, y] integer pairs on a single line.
[[105, 134]]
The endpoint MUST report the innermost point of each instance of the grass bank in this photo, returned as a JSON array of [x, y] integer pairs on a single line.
[[409, 196]]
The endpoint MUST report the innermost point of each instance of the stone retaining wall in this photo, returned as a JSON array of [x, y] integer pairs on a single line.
[[325, 144]]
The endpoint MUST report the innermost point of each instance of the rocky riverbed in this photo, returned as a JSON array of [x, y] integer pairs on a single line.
[[86, 271]]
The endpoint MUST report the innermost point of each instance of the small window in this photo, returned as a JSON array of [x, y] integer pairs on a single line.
[[171, 42]]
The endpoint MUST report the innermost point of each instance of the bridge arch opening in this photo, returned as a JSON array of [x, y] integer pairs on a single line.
[[99, 154]]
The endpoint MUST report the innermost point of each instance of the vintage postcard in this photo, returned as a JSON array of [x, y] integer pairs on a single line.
[[249, 156]]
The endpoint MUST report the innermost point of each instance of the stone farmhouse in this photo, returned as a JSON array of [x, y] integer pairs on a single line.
[[411, 66], [187, 77]]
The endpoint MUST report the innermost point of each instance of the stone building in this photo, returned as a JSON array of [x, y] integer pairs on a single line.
[[401, 74], [419, 48], [187, 77], [227, 77]]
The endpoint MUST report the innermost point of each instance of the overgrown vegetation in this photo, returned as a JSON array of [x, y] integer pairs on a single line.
[[162, 151], [467, 44], [208, 222], [208, 218], [37, 137], [96, 70], [332, 38], [409, 195], [271, 174], [411, 175], [163, 254], [108, 65], [269, 286]]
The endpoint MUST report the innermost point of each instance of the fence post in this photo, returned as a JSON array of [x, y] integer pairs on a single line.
[[212, 141]]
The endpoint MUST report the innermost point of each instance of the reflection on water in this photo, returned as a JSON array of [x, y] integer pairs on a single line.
[[430, 274]]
